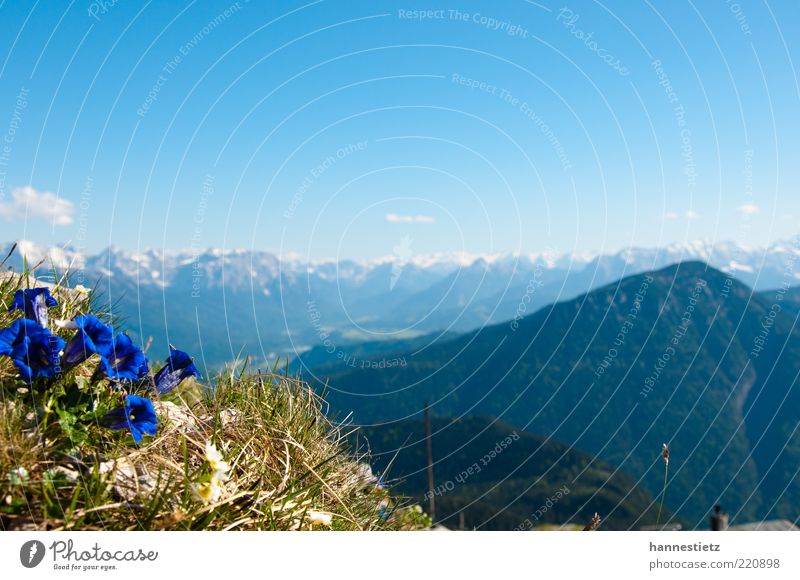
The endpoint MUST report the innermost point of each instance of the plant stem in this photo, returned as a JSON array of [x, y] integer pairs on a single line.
[[663, 494]]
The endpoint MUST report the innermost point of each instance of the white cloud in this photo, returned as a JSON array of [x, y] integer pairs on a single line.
[[394, 218], [748, 209], [26, 203], [692, 215], [670, 215]]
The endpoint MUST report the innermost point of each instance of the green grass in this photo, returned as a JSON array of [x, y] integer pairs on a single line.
[[291, 467]]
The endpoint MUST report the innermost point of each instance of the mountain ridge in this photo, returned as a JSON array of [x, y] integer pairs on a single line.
[[256, 304], [719, 254], [685, 372]]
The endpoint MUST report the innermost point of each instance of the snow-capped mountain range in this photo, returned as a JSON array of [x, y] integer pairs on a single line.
[[153, 266], [256, 303]]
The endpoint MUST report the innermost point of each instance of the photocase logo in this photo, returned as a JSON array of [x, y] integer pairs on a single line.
[[31, 553]]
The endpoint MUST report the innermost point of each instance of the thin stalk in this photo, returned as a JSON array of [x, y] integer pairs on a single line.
[[663, 494]]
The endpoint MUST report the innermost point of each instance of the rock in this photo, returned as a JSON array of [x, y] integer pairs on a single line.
[[128, 480], [70, 474], [362, 476], [227, 417], [178, 417]]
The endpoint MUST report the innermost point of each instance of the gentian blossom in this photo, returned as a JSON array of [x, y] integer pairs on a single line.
[[93, 337], [137, 414], [179, 366], [123, 360], [34, 303], [33, 348]]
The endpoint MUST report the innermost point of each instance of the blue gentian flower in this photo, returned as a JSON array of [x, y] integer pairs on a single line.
[[124, 361], [33, 348], [34, 303], [93, 337], [179, 366], [136, 414]]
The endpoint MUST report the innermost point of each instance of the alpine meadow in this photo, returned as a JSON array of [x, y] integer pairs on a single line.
[[503, 270]]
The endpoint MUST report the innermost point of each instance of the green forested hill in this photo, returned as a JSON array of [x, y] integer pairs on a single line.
[[791, 298], [503, 478], [686, 356]]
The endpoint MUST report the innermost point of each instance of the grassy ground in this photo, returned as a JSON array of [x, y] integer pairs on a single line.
[[290, 467]]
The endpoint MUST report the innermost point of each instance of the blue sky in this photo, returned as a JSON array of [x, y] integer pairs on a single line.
[[336, 128]]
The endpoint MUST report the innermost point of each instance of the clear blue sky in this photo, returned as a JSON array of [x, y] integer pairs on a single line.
[[495, 127]]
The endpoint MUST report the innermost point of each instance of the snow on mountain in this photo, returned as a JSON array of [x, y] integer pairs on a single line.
[[759, 266], [256, 302]]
